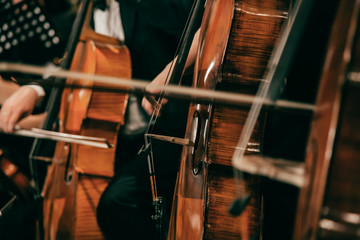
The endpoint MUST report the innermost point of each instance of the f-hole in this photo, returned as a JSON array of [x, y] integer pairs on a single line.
[[68, 173], [195, 138]]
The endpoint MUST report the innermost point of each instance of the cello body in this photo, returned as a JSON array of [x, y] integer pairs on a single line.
[[328, 205], [236, 42], [79, 174], [12, 177]]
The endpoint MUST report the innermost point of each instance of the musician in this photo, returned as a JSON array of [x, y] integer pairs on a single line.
[[152, 30], [286, 134], [23, 96], [30, 96], [19, 105]]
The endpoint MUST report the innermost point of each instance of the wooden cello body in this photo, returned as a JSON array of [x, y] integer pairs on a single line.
[[12, 177], [328, 206], [79, 174], [236, 42]]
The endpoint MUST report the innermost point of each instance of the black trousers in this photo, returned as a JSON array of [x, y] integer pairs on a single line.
[[125, 209], [18, 221]]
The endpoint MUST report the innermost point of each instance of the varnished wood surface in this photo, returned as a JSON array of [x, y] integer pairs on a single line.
[[95, 161], [98, 114], [342, 196], [12, 178], [226, 126], [110, 106], [88, 195], [325, 121], [203, 197], [341, 200], [221, 193], [255, 29], [105, 112]]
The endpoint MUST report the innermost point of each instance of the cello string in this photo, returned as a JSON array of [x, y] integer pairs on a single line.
[[176, 68], [153, 120], [54, 98], [157, 108], [255, 112]]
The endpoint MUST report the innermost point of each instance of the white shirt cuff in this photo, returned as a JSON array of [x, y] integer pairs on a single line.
[[39, 91]]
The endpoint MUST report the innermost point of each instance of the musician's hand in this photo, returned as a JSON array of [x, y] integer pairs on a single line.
[[17, 106], [155, 87]]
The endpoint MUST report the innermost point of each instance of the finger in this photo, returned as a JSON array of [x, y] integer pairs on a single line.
[[151, 100], [9, 126], [147, 106], [12, 119], [4, 119], [164, 101]]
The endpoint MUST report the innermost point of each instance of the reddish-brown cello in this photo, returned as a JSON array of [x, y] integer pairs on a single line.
[[79, 174], [12, 177], [236, 42], [328, 204]]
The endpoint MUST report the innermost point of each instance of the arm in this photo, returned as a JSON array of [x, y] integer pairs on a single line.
[[162, 77], [6, 89]]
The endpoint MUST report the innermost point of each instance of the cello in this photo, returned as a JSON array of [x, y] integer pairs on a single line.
[[78, 174], [13, 177], [328, 203], [236, 42]]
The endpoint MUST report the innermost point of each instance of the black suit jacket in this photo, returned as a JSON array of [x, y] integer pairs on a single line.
[[152, 32]]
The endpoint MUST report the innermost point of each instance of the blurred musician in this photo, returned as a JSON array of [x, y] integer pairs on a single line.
[[31, 33]]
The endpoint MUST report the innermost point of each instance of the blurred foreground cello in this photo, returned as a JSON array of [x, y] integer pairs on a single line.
[[328, 205], [79, 174]]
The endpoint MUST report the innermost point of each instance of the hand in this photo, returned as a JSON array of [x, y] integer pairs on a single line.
[[17, 106], [155, 87], [161, 78]]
